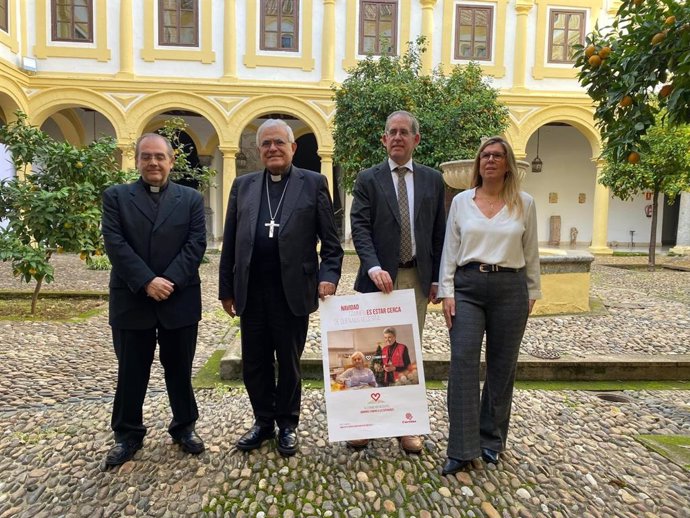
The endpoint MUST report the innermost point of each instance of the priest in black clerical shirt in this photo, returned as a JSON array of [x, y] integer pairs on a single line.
[[155, 237], [271, 276]]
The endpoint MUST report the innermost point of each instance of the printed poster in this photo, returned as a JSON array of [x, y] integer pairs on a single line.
[[372, 366]]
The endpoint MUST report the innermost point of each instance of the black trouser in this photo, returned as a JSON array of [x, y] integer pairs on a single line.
[[270, 332], [494, 303], [135, 349]]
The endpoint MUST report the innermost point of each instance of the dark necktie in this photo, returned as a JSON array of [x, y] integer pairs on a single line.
[[405, 233]]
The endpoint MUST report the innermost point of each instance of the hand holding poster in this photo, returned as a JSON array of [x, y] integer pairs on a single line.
[[372, 366]]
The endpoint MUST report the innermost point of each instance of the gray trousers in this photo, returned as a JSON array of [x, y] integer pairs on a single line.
[[495, 303]]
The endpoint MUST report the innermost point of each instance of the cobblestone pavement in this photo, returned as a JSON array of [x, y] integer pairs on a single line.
[[570, 454]]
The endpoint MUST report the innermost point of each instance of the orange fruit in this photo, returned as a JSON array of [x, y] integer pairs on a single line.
[[626, 101], [633, 157], [659, 37], [83, 256], [594, 61], [665, 91], [638, 3], [32, 271], [605, 52], [590, 51], [79, 165], [670, 20]]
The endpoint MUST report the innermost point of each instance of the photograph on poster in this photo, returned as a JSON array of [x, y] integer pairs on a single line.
[[382, 356]]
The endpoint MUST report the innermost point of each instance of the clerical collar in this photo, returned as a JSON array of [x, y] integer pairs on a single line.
[[154, 188], [279, 177]]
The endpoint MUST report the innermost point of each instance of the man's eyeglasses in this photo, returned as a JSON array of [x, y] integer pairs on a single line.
[[404, 133], [147, 157], [266, 144], [486, 155]]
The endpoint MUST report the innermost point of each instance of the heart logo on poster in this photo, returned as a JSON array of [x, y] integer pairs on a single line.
[[368, 357], [375, 396]]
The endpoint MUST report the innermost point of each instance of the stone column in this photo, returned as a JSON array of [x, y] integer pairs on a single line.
[[229, 41], [327, 169], [126, 147], [522, 8], [126, 40], [601, 216], [683, 236], [328, 43], [428, 32], [229, 173]]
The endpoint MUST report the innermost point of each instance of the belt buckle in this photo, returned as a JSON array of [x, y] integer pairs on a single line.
[[485, 268]]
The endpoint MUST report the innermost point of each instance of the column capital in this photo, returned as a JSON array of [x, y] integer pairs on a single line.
[[427, 3], [229, 151], [523, 6]]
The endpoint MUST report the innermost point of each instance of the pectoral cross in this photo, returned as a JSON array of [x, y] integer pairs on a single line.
[[271, 226]]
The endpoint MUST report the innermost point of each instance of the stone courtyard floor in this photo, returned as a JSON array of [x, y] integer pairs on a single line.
[[570, 453]]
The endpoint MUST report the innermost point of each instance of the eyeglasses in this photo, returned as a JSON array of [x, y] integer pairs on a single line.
[[486, 155], [266, 144], [404, 133], [147, 157]]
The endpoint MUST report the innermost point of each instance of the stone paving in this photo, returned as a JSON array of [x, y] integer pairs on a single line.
[[570, 454]]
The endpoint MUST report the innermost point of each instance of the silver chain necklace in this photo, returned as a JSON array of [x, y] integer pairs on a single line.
[[272, 224]]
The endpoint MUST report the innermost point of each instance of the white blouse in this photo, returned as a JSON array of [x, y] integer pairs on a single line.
[[504, 240]]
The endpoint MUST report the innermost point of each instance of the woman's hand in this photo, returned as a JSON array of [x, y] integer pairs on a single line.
[[449, 310]]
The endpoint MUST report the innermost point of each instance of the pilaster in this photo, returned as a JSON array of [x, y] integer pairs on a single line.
[[601, 216]]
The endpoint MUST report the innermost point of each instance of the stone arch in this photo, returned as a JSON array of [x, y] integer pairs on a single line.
[[144, 110], [154, 126], [70, 126], [579, 117], [12, 99], [45, 104], [306, 112]]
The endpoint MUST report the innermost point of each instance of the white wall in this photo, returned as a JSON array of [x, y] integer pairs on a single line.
[[568, 171]]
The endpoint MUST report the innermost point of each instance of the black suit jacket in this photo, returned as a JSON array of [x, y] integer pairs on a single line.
[[375, 222], [142, 246], [306, 216]]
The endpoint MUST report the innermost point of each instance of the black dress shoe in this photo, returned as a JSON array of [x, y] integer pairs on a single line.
[[454, 465], [190, 443], [254, 437], [122, 452], [287, 441], [490, 456]]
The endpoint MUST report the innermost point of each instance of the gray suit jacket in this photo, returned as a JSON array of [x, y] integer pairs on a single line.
[[306, 218], [375, 221]]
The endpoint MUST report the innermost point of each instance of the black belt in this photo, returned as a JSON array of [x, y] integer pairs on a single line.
[[486, 268], [412, 263]]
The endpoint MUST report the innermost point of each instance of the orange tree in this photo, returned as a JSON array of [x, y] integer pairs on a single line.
[[55, 205], [665, 169], [642, 56]]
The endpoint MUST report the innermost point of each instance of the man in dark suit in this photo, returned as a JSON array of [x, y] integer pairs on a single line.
[[155, 237], [398, 224], [270, 275]]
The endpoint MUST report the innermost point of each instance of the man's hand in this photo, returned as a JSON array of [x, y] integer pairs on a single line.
[[382, 280], [229, 306], [449, 310], [326, 289], [433, 294], [159, 289], [531, 305]]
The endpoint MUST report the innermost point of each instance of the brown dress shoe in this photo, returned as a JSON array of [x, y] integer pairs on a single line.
[[358, 444], [411, 443]]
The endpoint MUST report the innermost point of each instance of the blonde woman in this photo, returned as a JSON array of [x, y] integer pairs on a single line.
[[489, 280]]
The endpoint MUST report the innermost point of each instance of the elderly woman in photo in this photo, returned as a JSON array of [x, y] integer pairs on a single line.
[[359, 375], [489, 280]]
